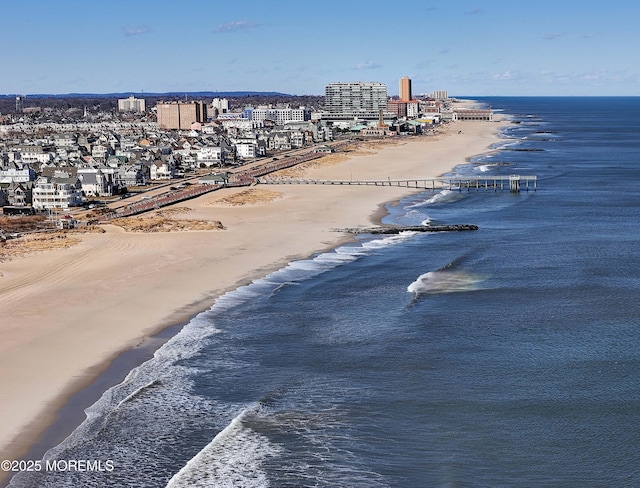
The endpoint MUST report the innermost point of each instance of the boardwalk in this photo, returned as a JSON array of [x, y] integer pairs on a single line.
[[513, 183], [254, 175], [154, 203], [243, 177]]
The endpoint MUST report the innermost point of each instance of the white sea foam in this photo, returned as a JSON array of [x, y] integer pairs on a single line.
[[136, 393], [412, 215], [232, 459], [188, 341], [515, 141], [483, 157], [442, 197], [301, 270], [233, 298], [388, 241], [444, 282], [350, 250], [281, 286]]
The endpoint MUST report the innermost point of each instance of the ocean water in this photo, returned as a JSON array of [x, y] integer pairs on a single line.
[[507, 356]]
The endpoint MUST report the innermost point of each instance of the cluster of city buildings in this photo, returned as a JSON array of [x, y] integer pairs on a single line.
[[61, 165]]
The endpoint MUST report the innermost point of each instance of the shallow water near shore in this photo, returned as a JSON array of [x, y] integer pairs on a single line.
[[506, 356]]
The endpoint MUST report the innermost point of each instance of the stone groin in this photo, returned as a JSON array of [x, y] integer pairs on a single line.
[[397, 229]]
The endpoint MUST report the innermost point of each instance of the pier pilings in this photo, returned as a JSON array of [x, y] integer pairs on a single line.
[[515, 183]]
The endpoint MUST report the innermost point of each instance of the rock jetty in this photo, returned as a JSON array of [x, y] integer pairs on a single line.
[[396, 229]]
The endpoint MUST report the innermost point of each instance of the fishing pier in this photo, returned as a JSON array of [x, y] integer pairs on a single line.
[[513, 183]]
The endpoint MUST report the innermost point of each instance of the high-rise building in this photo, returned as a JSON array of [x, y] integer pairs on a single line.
[[180, 115], [362, 99], [222, 104], [131, 104], [440, 95], [405, 89]]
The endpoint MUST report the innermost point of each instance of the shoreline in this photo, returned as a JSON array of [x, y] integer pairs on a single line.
[[32, 435], [68, 410]]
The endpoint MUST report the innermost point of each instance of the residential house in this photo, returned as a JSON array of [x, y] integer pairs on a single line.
[[136, 174], [247, 150], [209, 156], [95, 182], [261, 148], [127, 143], [113, 141], [280, 141], [18, 194], [246, 147], [17, 173], [117, 161], [100, 152], [56, 193], [34, 154], [65, 140], [188, 161], [162, 170], [297, 138]]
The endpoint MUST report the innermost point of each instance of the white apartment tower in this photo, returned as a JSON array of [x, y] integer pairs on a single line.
[[364, 99], [131, 104], [440, 95], [222, 104]]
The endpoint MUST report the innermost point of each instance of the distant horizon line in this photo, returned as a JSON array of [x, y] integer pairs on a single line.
[[149, 94], [240, 93]]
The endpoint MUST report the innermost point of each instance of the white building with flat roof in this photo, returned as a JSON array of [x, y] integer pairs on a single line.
[[355, 97], [131, 104], [439, 94], [362, 100], [210, 156], [279, 115], [221, 104]]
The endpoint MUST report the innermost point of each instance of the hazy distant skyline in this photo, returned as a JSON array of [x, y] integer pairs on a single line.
[[467, 47]]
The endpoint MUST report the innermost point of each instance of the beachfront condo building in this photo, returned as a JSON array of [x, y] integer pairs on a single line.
[[355, 97], [363, 100]]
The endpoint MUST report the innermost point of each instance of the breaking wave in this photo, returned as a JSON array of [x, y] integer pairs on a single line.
[[444, 281]]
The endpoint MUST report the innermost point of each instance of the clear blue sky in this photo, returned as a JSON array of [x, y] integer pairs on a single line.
[[468, 47]]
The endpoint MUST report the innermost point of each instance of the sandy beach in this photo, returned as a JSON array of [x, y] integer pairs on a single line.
[[68, 312]]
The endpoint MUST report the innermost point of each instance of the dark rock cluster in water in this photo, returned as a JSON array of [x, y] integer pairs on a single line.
[[410, 228]]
